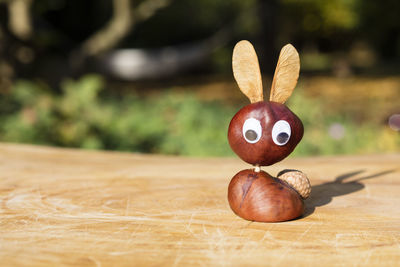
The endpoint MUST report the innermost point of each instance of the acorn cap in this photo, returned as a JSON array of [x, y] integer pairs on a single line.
[[297, 180]]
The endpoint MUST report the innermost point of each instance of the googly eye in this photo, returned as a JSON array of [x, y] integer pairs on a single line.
[[252, 130], [281, 132]]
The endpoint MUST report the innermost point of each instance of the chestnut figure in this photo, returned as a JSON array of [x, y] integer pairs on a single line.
[[263, 133]]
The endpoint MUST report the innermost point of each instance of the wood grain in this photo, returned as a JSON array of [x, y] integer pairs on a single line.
[[71, 207]]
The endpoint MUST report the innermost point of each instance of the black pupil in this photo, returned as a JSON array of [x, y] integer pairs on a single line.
[[251, 135], [282, 137]]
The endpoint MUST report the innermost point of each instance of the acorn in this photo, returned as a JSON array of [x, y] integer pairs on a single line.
[[297, 180]]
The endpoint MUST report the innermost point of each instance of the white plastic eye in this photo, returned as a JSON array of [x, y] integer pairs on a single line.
[[252, 130], [281, 132]]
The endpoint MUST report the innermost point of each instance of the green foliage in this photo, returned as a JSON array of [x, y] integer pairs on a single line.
[[337, 132], [325, 15], [83, 115], [380, 26]]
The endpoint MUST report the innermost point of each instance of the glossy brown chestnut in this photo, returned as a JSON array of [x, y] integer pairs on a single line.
[[264, 152], [257, 196]]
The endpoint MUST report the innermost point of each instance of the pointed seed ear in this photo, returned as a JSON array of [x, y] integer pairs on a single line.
[[246, 71], [286, 74]]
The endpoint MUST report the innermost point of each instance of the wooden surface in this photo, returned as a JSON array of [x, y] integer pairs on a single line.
[[61, 206]]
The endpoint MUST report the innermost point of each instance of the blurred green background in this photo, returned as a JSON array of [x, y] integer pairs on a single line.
[[155, 76]]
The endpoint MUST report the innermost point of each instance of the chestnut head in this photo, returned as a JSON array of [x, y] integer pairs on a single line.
[[265, 132]]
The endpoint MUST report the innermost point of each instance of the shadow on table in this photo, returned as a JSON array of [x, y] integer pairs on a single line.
[[324, 193]]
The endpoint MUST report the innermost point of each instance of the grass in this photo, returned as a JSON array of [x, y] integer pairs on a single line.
[[87, 115]]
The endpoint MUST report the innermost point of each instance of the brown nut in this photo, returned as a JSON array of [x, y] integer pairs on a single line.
[[264, 133], [257, 196]]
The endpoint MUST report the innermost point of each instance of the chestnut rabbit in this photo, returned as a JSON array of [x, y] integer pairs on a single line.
[[263, 133]]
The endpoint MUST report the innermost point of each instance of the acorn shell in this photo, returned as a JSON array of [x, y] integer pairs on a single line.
[[298, 181]]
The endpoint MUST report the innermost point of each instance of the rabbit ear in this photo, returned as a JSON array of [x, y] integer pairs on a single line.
[[286, 74], [247, 71]]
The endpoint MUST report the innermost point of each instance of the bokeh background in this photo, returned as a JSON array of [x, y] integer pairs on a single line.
[[155, 76]]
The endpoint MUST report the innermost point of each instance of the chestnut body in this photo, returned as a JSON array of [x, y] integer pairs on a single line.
[[264, 152], [257, 196]]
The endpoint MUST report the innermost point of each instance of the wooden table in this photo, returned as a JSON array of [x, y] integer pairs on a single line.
[[72, 207]]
